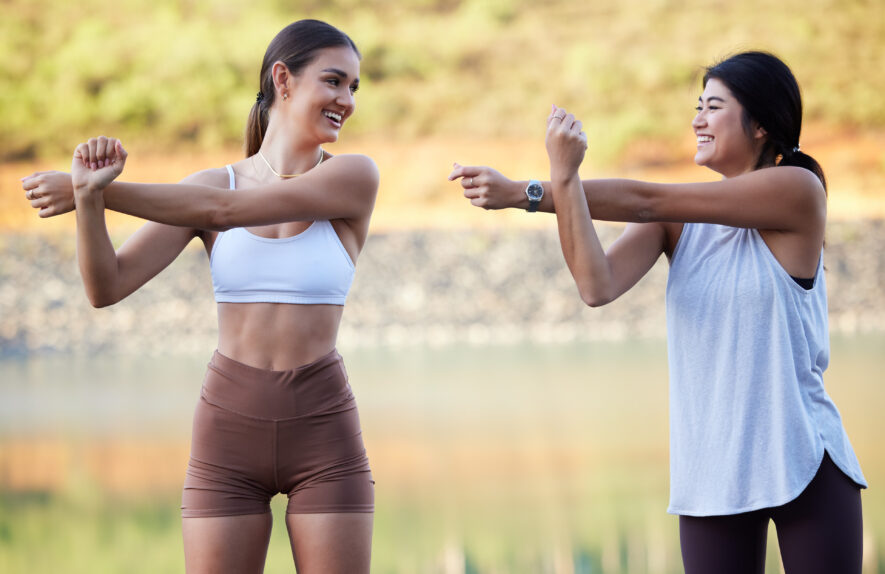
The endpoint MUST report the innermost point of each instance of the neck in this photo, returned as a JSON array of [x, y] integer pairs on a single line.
[[288, 154], [740, 169]]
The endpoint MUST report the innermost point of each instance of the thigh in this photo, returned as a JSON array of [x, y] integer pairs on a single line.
[[231, 467], [821, 531], [226, 544], [322, 463], [733, 544], [332, 543]]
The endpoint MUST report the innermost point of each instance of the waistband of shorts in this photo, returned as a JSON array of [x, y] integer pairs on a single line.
[[268, 394], [238, 369]]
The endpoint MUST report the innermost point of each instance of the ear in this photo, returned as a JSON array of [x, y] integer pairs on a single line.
[[759, 132], [281, 76]]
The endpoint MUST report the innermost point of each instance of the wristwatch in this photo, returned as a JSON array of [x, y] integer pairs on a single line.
[[534, 191]]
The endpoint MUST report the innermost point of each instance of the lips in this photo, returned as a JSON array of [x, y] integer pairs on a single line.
[[335, 117]]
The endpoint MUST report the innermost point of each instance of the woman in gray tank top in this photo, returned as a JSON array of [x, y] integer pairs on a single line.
[[754, 436]]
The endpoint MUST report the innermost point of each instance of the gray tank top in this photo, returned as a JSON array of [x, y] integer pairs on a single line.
[[747, 347]]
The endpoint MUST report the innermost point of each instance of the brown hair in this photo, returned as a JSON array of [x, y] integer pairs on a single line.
[[296, 46]]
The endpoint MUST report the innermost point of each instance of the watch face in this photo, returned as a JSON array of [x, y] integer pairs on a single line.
[[534, 191]]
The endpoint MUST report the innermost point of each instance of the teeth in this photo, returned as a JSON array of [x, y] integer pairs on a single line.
[[334, 116], [705, 139]]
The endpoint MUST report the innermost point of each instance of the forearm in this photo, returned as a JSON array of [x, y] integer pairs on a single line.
[[96, 256], [625, 200], [609, 199], [580, 243], [343, 187], [183, 205]]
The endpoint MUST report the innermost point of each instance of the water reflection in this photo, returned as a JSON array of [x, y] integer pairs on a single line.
[[494, 459]]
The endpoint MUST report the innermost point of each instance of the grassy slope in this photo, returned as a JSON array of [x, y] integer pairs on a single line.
[[174, 73], [443, 81]]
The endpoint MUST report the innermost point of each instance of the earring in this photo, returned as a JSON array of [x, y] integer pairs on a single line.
[[285, 95]]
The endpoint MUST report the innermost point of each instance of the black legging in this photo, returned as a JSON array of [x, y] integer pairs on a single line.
[[821, 531]]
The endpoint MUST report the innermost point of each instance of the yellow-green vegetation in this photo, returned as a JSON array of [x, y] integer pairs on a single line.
[[170, 73]]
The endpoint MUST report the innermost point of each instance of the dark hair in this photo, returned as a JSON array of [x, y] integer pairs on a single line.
[[296, 46], [769, 94]]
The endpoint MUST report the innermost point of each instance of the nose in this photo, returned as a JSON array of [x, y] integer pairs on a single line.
[[346, 99], [699, 120]]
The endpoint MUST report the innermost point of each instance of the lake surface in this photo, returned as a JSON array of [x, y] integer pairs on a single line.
[[487, 459]]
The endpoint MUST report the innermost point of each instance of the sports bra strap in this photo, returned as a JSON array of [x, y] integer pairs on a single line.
[[230, 173]]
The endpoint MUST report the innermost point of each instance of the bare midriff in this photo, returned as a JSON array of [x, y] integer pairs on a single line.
[[277, 336]]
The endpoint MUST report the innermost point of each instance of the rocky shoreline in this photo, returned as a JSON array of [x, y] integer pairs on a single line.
[[433, 287]]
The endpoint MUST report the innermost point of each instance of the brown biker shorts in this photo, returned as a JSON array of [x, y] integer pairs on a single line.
[[258, 433]]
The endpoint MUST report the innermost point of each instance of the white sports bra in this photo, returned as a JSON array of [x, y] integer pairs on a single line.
[[310, 268]]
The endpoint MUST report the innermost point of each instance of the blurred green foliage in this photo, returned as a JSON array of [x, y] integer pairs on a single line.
[[171, 73]]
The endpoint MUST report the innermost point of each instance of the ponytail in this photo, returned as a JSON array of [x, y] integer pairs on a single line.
[[256, 125]]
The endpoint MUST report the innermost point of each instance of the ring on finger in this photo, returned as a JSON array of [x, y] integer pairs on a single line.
[[29, 194], [471, 183]]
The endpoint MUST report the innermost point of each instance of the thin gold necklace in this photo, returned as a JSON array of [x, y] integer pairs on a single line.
[[286, 175]]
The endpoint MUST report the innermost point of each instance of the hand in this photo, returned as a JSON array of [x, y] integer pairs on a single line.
[[566, 143], [49, 191], [486, 187], [97, 163]]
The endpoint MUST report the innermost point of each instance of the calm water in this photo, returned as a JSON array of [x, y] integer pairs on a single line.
[[493, 459]]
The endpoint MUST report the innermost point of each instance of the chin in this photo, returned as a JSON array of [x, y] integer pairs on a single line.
[[329, 137]]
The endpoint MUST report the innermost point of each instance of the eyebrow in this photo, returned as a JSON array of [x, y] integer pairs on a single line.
[[341, 73], [711, 98]]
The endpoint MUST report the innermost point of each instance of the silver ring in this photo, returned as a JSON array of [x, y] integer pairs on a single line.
[[559, 117], [471, 182], [29, 194]]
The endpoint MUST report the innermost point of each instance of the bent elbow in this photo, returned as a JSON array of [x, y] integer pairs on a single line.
[[102, 293], [594, 299], [100, 301]]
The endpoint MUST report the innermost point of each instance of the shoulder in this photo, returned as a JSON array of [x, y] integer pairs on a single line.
[[788, 178], [359, 164], [215, 177], [355, 169], [794, 175], [801, 186], [805, 180]]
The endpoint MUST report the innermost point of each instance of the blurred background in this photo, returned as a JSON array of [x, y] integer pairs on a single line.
[[510, 428]]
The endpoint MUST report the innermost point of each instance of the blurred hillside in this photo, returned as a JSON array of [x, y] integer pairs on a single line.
[[163, 74]]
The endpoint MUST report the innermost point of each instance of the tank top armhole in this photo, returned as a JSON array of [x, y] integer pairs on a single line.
[[677, 248], [794, 282], [339, 243]]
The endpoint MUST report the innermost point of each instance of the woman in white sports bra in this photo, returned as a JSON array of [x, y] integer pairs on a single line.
[[276, 413]]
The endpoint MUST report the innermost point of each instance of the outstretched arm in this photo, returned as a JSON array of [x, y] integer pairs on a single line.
[[343, 187], [487, 188], [777, 198]]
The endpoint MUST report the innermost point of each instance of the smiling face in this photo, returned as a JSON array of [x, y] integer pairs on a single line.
[[723, 143], [321, 96]]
